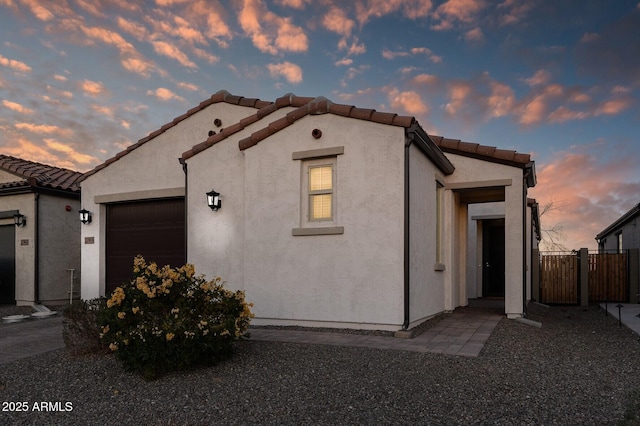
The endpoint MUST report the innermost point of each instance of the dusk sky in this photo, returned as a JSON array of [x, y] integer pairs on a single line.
[[80, 80]]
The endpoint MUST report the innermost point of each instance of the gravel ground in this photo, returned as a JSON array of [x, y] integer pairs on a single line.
[[579, 368]]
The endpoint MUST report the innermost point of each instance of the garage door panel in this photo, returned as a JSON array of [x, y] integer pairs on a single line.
[[154, 229]]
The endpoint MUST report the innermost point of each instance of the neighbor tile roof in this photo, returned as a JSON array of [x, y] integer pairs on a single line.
[[29, 173], [220, 96], [482, 152]]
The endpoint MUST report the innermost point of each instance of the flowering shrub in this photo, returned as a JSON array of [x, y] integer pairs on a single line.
[[168, 319]]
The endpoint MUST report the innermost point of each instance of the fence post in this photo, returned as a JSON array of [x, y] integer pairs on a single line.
[[535, 275], [634, 275], [584, 277]]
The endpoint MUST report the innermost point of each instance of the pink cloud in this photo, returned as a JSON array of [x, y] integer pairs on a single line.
[[164, 94], [278, 34], [13, 64], [92, 88], [475, 35], [408, 101], [453, 11], [589, 188], [43, 129], [14, 106], [412, 9], [336, 20], [170, 51], [539, 78], [39, 11], [426, 79], [291, 72]]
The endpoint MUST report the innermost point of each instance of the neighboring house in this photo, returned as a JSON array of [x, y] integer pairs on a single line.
[[330, 215], [37, 255], [622, 234]]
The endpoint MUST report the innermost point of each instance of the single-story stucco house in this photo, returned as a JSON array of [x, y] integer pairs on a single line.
[[325, 214], [39, 232], [622, 234]]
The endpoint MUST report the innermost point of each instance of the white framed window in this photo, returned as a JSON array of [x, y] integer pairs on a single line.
[[318, 191], [321, 192]]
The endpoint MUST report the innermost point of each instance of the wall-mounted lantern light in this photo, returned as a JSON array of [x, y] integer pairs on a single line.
[[213, 200], [19, 219], [85, 216]]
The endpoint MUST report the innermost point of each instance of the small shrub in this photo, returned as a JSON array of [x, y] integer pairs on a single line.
[[80, 328], [168, 319]]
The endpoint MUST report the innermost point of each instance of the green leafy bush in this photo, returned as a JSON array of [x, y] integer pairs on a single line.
[[168, 319], [80, 328]]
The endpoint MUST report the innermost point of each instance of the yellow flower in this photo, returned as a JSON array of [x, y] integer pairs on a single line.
[[113, 346], [121, 315], [169, 336], [135, 309], [105, 329]]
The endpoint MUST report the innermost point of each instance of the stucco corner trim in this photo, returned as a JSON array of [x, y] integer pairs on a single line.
[[439, 267], [318, 153], [330, 230]]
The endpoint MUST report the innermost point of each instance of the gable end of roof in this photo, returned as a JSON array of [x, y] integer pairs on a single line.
[[218, 97]]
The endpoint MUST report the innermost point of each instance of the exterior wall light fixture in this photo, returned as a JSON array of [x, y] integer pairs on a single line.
[[85, 216], [213, 200], [19, 219]]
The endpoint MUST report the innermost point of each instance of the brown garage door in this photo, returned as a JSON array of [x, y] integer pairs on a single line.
[[155, 229]]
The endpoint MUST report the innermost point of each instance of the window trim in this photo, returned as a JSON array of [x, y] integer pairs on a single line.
[[317, 158]]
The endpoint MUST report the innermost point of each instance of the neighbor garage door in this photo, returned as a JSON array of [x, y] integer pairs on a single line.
[[155, 229]]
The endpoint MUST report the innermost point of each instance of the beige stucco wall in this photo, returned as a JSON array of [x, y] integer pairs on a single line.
[[150, 171], [469, 172], [59, 246], [59, 236], [25, 247], [426, 283], [349, 280]]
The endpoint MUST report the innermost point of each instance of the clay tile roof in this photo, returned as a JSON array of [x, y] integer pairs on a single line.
[[321, 105], [220, 96], [482, 152], [29, 173]]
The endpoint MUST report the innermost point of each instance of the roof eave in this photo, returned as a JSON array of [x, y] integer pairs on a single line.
[[422, 140], [621, 221]]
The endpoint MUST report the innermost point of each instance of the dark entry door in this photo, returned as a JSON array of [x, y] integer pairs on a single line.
[[7, 264], [493, 254], [155, 229]]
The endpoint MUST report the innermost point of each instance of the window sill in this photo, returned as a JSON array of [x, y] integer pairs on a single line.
[[438, 267], [330, 230]]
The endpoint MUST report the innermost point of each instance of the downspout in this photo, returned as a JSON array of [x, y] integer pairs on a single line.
[[36, 248], [186, 222], [407, 145]]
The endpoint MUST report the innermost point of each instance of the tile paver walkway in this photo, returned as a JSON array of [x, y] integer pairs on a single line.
[[461, 333]]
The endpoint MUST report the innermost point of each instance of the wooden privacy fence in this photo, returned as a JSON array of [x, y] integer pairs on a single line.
[[608, 277], [559, 278], [563, 274]]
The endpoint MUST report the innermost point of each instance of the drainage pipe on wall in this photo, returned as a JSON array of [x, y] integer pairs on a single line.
[[186, 208], [36, 248], [407, 145]]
